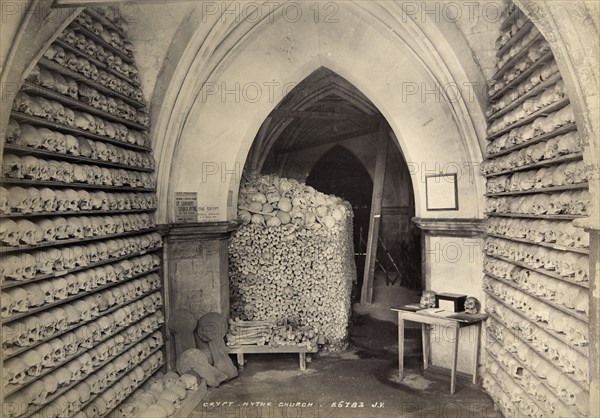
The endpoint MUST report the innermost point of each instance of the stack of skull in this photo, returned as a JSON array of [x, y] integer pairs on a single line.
[[45, 139], [572, 364], [56, 229], [577, 203], [562, 233], [33, 200], [51, 322], [559, 146], [37, 169], [566, 264], [27, 265], [19, 300]]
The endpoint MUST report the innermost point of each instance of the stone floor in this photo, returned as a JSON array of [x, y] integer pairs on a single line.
[[359, 382]]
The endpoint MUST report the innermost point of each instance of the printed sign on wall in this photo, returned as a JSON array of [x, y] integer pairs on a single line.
[[186, 207]]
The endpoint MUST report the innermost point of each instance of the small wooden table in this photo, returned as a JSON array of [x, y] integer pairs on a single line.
[[265, 349], [455, 322]]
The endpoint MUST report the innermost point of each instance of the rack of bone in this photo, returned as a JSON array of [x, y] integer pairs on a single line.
[[536, 261], [81, 282]]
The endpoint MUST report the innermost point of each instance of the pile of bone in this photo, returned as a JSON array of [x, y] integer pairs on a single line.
[[559, 175], [22, 299], [47, 230], [55, 112], [25, 266], [570, 328], [567, 264], [552, 290], [19, 200], [578, 203], [295, 336], [574, 365], [88, 69], [37, 169], [525, 133], [108, 36], [107, 386], [561, 233], [43, 326], [566, 144], [46, 140], [160, 396], [536, 78], [292, 257], [249, 332]]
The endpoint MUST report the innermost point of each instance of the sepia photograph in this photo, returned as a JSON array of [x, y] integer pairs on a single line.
[[300, 208]]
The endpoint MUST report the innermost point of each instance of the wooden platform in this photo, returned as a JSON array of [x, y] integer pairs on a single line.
[[265, 349]]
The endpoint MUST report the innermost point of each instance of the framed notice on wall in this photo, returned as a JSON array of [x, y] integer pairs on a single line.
[[441, 192]]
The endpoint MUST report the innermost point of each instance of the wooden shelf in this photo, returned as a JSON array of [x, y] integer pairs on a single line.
[[547, 57], [15, 351], [20, 182], [77, 296], [585, 251], [530, 118], [52, 65], [544, 163], [7, 250], [100, 42], [574, 314], [577, 186], [540, 138], [34, 120], [539, 325], [533, 216], [518, 336], [105, 22], [534, 91], [524, 30], [79, 213], [510, 19], [51, 398], [12, 283], [516, 58], [545, 272], [540, 404], [23, 150], [10, 389], [36, 89]]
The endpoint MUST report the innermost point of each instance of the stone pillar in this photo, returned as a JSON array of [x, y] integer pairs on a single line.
[[196, 269]]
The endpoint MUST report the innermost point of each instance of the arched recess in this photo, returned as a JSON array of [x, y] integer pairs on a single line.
[[435, 133]]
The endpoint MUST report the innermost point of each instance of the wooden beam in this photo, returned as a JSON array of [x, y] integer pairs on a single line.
[[306, 114], [366, 294], [336, 138]]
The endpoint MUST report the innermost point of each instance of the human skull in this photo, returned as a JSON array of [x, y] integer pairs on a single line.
[[472, 305], [428, 299]]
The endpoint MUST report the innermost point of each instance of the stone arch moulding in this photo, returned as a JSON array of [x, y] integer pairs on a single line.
[[204, 139]]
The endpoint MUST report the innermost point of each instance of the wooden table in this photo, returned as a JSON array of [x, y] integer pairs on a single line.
[[455, 322], [265, 349]]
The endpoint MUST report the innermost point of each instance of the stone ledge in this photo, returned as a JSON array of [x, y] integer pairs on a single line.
[[451, 226], [197, 230]]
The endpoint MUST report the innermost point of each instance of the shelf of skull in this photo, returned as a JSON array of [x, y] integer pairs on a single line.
[[81, 124], [537, 260], [81, 284], [532, 349]]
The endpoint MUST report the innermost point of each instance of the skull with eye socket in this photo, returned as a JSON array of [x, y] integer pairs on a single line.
[[472, 305], [428, 299]]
